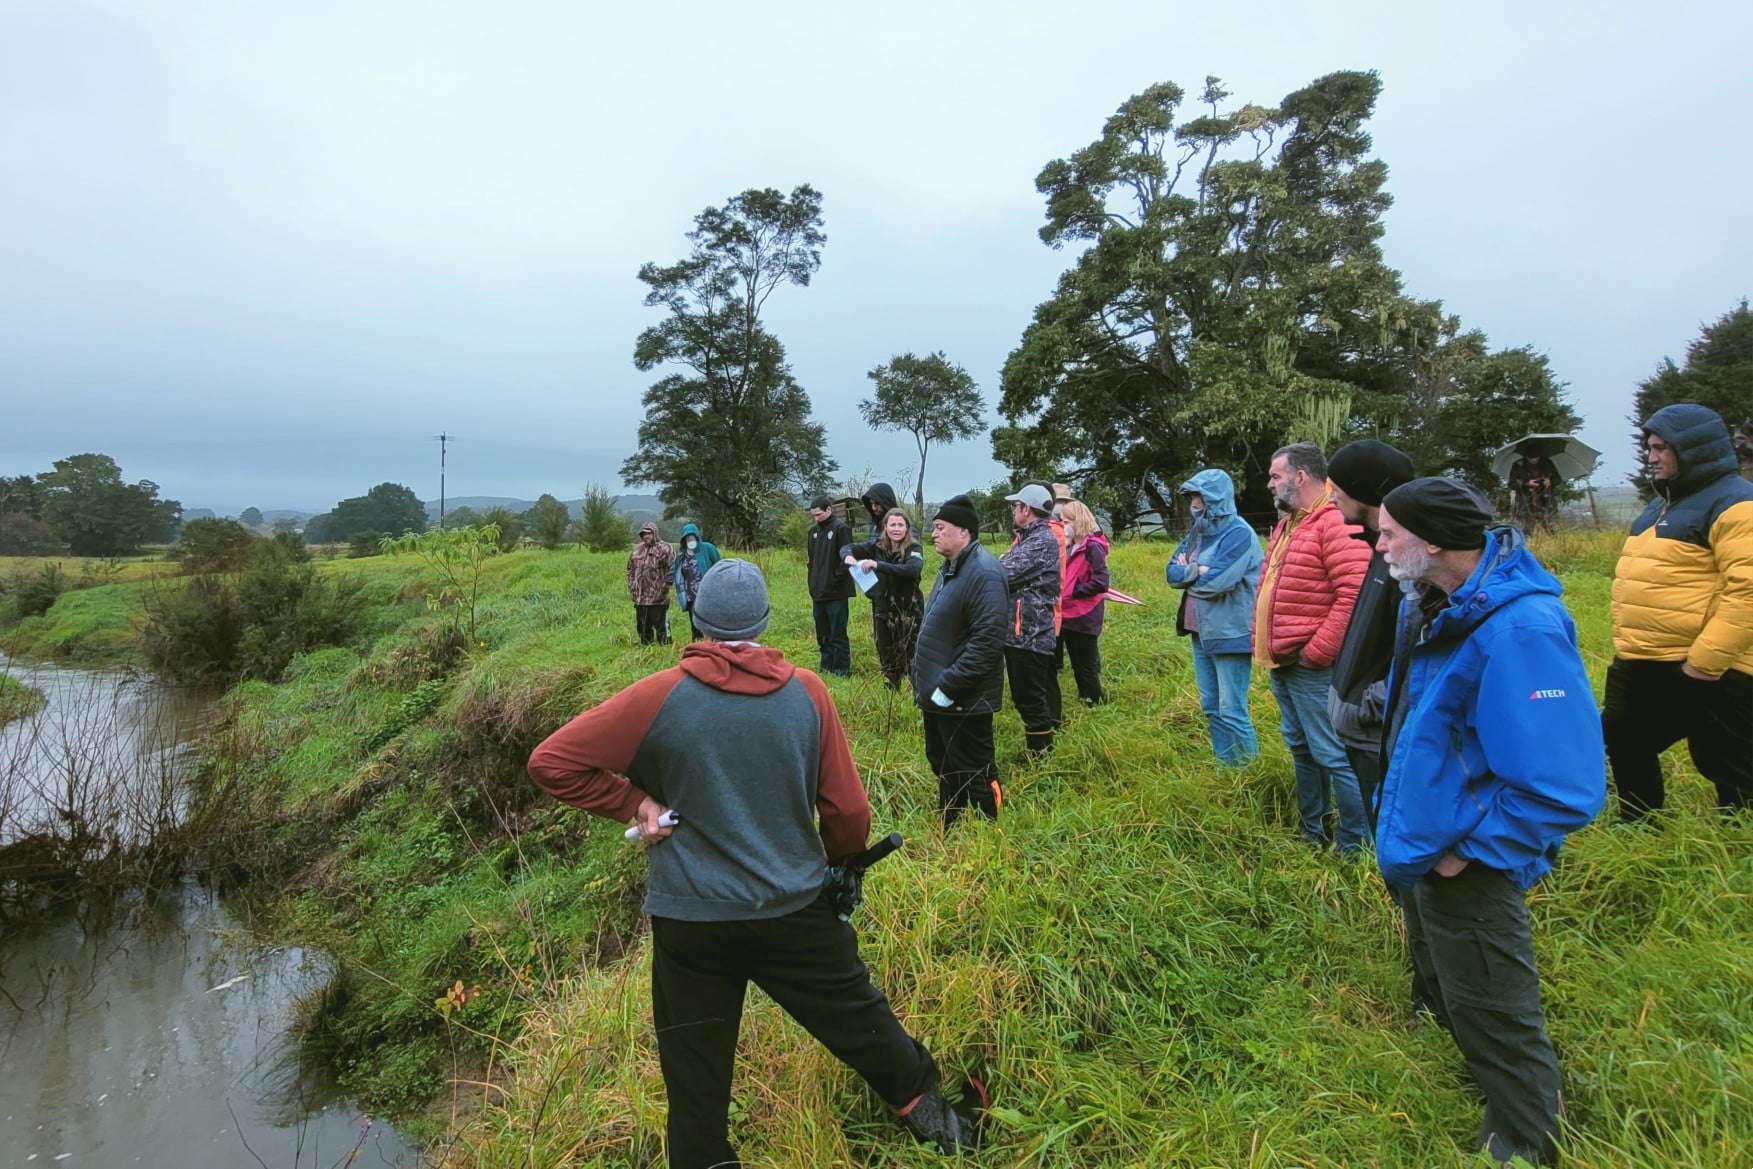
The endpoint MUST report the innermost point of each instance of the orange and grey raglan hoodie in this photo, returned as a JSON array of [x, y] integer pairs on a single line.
[[748, 750]]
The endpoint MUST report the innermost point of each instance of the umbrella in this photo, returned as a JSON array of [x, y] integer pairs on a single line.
[[1117, 595], [1573, 458]]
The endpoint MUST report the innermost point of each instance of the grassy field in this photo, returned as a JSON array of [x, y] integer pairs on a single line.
[[1142, 959]]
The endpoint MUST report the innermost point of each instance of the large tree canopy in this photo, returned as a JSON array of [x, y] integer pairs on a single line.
[[389, 508], [89, 507], [930, 397], [1231, 297], [728, 439]]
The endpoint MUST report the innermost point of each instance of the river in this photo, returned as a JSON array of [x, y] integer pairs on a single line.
[[160, 1039]]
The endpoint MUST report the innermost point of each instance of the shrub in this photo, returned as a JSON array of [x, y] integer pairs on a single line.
[[600, 527], [25, 535], [506, 522], [363, 544], [37, 593], [212, 545]]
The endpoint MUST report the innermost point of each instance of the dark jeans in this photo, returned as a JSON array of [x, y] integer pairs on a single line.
[[959, 749], [897, 635], [653, 622], [831, 640], [808, 963], [1650, 706], [1085, 651], [1034, 689], [1471, 942]]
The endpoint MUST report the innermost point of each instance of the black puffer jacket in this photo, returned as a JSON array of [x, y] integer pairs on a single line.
[[961, 641], [884, 496], [829, 580], [1359, 691]]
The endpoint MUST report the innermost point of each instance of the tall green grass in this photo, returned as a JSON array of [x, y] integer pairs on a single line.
[[1141, 957]]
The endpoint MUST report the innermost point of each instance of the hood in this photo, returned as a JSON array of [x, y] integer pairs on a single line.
[[1703, 450], [1506, 572], [1218, 490], [737, 669], [691, 530], [647, 526], [879, 493]]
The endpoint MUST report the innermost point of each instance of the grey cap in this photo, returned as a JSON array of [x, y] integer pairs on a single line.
[[732, 602], [1036, 496]]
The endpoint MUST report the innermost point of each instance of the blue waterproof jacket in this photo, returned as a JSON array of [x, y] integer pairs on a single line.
[[1494, 741], [706, 554], [1225, 592]]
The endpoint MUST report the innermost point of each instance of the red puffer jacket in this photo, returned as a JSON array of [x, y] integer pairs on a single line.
[[1316, 586]]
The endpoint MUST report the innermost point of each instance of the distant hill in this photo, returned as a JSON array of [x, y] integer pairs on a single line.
[[641, 506]]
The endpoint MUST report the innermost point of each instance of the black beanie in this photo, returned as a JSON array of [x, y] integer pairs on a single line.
[[959, 510], [1367, 470], [1444, 512]]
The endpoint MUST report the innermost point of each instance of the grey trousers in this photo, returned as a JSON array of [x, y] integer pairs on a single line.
[[1472, 944]]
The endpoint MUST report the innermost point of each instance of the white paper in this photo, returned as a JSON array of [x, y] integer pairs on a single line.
[[864, 580]]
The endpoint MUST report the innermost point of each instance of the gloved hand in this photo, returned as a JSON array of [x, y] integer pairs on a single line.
[[845, 889], [939, 698]]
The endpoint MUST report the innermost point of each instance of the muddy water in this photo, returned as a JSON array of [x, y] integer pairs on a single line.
[[160, 1039]]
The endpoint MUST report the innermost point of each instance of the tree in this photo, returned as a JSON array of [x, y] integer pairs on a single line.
[[547, 521], [600, 527], [462, 517], [21, 493], [1232, 293], [1718, 374], [22, 534], [930, 398], [251, 517], [1463, 402], [213, 546], [508, 523], [91, 509], [729, 440], [388, 507]]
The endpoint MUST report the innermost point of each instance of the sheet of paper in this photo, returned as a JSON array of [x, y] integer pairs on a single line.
[[864, 580]]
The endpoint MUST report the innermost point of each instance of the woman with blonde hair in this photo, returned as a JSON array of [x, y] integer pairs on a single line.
[[896, 604], [1082, 599]]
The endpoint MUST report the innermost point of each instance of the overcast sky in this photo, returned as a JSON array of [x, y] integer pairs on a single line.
[[261, 252]]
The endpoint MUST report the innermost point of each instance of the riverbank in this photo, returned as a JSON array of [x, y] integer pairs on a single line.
[[1142, 958], [17, 700]]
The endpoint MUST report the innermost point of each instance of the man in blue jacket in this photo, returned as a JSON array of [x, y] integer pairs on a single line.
[[1494, 756]]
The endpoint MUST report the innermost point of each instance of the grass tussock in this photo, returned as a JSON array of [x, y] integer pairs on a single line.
[[1141, 957]]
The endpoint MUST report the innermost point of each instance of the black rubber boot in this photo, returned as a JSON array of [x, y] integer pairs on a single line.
[[951, 1127]]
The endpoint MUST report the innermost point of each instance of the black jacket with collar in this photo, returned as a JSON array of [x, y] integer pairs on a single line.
[[961, 640]]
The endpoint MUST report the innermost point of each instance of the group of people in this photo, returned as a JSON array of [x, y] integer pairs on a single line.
[[1430, 690]]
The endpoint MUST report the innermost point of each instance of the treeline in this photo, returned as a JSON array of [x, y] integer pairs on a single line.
[[83, 507], [1229, 296]]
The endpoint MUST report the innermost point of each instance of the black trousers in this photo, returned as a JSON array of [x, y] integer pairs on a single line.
[[1034, 689], [897, 635], [808, 963], [1085, 651], [959, 749], [1472, 943], [653, 622], [832, 644], [1650, 706]]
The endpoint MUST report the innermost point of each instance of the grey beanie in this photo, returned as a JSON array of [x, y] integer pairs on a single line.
[[732, 602]]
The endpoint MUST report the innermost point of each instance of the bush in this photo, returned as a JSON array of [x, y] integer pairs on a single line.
[[25, 535], [218, 630], [36, 594], [508, 524], [601, 528], [211, 545], [363, 544]]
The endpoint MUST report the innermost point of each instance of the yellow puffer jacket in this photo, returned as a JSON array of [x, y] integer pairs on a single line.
[[1683, 590]]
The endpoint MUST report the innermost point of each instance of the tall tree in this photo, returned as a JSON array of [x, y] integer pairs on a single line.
[[931, 398], [1718, 373], [601, 528], [1231, 294], [21, 494], [547, 520], [728, 440], [89, 507]]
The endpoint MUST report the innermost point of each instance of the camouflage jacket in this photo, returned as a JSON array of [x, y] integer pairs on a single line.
[[1032, 574]]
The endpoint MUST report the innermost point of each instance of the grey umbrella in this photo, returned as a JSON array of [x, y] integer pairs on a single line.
[[1572, 457]]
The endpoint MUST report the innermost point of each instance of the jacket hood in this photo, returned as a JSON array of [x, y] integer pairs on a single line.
[[1703, 450], [647, 526], [1507, 571], [1219, 492], [737, 669], [879, 493], [691, 530]]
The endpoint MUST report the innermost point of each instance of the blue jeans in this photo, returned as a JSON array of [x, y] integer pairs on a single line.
[[1318, 755], [1223, 696], [831, 639]]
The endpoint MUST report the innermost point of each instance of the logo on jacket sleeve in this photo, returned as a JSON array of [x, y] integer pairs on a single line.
[[1545, 694]]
